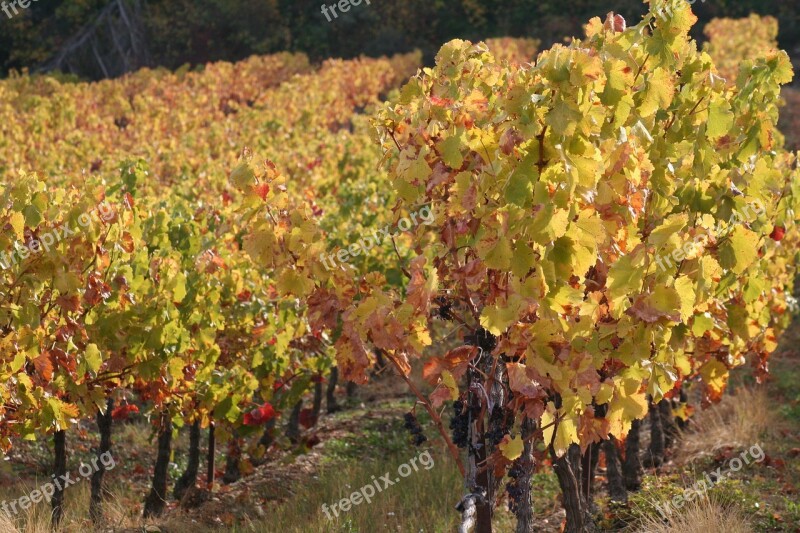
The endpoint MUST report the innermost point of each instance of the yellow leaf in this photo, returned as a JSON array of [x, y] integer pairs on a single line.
[[17, 222], [685, 289], [450, 382], [739, 251], [627, 405], [497, 318], [511, 448], [659, 92], [566, 435], [92, 357], [715, 375]]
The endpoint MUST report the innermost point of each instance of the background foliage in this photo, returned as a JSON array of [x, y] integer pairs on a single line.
[[199, 31]]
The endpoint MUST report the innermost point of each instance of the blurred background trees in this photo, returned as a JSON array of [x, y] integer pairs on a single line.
[[95, 38]]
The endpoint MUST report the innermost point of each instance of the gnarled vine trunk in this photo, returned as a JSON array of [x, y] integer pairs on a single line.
[[232, 472], [157, 499], [211, 456], [331, 402], [268, 437], [293, 427], [668, 423], [98, 494], [568, 471], [655, 455], [523, 466], [632, 466], [480, 480], [59, 472], [589, 461], [317, 405], [616, 481], [189, 476]]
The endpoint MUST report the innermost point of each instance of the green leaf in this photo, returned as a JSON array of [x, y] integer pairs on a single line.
[[702, 323], [227, 410], [451, 150], [564, 117], [499, 257], [523, 260], [243, 176], [519, 189]]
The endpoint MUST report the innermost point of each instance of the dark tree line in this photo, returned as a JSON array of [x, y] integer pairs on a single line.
[[178, 32]]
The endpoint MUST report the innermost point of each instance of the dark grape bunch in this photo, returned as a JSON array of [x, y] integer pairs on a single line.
[[459, 424], [497, 426], [445, 309], [413, 427], [513, 487], [483, 339]]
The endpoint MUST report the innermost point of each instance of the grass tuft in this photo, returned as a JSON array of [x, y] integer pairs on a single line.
[[738, 422], [702, 515]]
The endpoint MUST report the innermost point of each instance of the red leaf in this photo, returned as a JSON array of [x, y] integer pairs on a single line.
[[261, 189], [70, 303], [777, 233], [441, 102], [127, 242], [615, 23], [60, 357], [244, 296], [124, 411], [259, 415]]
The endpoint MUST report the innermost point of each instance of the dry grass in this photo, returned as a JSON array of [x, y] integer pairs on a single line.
[[702, 515], [738, 421], [117, 515], [421, 502]]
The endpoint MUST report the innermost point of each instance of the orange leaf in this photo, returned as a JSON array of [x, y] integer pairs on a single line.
[[44, 366]]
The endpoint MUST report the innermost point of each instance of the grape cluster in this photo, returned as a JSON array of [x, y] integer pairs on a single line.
[[445, 309], [514, 488], [483, 339], [497, 425], [412, 425], [459, 424]]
